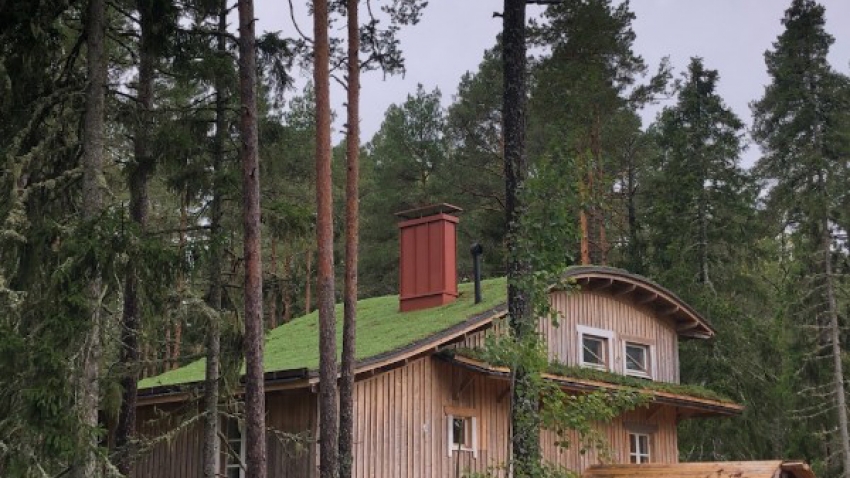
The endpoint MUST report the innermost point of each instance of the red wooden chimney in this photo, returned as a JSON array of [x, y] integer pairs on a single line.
[[428, 256]]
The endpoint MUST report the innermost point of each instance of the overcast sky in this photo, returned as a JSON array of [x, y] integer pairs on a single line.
[[731, 35]]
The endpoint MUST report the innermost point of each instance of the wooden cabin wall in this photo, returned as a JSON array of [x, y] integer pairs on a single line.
[[295, 414], [401, 427], [291, 412], [619, 315], [402, 419], [661, 424], [177, 456]]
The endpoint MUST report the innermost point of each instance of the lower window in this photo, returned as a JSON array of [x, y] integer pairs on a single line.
[[639, 451], [462, 434]]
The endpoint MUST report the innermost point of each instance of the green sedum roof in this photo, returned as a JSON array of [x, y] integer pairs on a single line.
[[381, 328]]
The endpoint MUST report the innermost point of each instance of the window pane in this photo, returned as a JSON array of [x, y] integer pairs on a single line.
[[458, 431], [593, 350], [633, 443], [636, 358], [233, 472], [644, 444]]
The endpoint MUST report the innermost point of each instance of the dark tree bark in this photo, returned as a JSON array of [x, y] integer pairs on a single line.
[[273, 289], [328, 460], [352, 231], [525, 422], [88, 380], [308, 287], [139, 177], [213, 345], [255, 409]]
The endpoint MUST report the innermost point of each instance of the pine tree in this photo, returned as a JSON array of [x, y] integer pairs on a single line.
[[328, 411], [93, 146], [255, 398], [798, 123], [352, 243], [524, 418], [699, 202]]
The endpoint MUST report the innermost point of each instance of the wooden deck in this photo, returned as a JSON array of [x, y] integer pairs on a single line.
[[732, 469]]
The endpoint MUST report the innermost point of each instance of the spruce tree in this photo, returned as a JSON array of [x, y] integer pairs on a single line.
[[799, 124]]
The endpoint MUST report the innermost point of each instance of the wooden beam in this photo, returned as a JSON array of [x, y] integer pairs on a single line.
[[606, 283], [626, 290], [688, 326], [469, 378], [648, 299], [654, 408], [669, 311]]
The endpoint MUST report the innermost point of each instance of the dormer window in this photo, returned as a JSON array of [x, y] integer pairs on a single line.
[[595, 347], [638, 358]]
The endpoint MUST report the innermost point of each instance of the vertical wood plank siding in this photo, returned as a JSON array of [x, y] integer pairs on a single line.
[[401, 414], [620, 316], [290, 412]]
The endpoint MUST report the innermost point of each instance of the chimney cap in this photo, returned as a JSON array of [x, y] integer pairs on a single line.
[[430, 210]]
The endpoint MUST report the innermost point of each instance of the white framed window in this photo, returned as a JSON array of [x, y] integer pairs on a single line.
[[235, 449], [462, 434], [639, 360], [595, 348], [639, 448]]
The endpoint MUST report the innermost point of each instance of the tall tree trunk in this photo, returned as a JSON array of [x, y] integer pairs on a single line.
[[352, 231], [213, 339], [585, 211], [835, 335], [525, 420], [703, 241], [599, 251], [635, 249], [273, 296], [328, 461], [139, 178], [255, 407], [88, 382], [308, 288], [285, 291], [181, 279]]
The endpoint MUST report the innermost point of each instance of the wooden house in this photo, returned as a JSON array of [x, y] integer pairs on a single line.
[[423, 412]]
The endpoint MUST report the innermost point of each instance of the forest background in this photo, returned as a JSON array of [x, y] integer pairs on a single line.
[[762, 250]]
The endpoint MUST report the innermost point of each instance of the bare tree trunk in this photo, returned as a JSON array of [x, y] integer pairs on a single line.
[[585, 211], [525, 420], [272, 320], [585, 240], [285, 291], [308, 288], [212, 372], [835, 333], [599, 245], [88, 382], [328, 438], [352, 231], [255, 408], [181, 279], [139, 178]]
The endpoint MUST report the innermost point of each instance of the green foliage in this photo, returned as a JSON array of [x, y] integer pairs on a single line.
[[546, 471], [401, 162]]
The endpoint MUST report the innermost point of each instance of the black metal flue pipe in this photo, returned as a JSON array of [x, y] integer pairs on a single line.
[[476, 250]]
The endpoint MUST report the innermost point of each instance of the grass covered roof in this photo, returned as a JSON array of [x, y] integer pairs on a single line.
[[381, 329]]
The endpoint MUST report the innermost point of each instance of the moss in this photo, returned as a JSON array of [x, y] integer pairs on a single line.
[[583, 373], [381, 328]]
